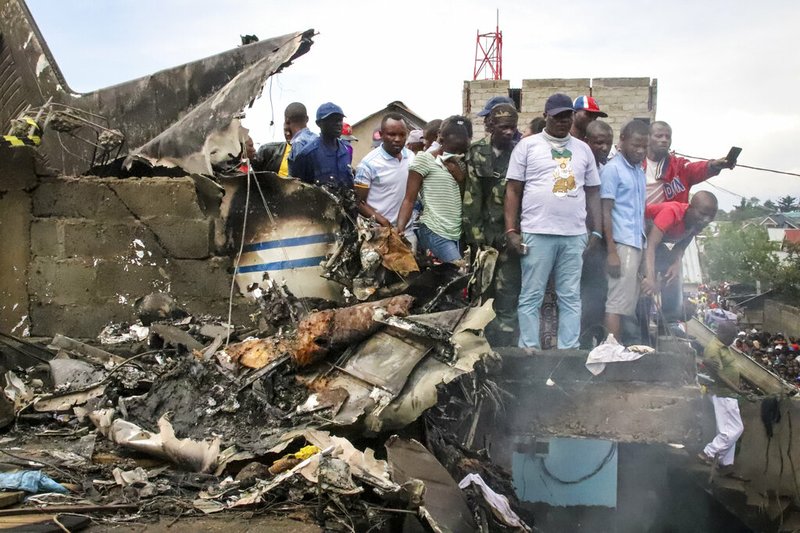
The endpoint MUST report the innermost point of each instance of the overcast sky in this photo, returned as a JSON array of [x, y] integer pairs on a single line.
[[727, 70]]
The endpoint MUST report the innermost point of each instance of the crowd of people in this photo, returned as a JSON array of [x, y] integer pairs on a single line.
[[576, 220]]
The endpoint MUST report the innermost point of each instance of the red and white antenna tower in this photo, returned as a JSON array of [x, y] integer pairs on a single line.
[[489, 54]]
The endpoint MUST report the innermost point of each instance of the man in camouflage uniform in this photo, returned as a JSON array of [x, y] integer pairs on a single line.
[[484, 225]]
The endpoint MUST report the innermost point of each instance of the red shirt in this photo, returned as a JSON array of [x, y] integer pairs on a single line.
[[668, 217], [678, 175]]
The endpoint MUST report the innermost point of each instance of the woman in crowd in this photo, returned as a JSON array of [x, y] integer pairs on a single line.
[[439, 176]]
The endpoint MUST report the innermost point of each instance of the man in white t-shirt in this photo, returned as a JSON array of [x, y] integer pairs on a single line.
[[553, 177], [381, 176]]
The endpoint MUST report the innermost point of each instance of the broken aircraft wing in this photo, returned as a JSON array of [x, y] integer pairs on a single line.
[[147, 111]]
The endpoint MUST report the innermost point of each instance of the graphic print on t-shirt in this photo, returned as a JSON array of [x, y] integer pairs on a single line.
[[563, 176]]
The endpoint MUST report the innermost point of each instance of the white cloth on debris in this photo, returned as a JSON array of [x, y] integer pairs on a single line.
[[502, 510], [612, 351]]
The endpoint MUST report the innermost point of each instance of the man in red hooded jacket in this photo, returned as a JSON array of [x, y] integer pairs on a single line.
[[669, 177]]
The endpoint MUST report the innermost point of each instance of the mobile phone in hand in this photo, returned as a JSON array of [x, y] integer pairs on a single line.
[[733, 155]]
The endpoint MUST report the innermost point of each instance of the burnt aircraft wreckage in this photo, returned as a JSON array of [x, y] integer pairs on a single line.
[[362, 388]]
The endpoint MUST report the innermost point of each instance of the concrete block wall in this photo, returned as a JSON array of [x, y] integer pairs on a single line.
[[625, 99], [17, 180], [98, 244], [622, 98], [536, 92]]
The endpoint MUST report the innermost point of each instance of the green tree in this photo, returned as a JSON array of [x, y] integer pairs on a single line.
[[748, 208], [787, 203], [740, 254], [787, 277], [769, 204]]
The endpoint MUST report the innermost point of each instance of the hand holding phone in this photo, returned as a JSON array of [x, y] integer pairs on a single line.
[[733, 156]]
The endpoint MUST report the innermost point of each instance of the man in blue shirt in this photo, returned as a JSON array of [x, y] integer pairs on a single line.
[[325, 160], [623, 195], [295, 121]]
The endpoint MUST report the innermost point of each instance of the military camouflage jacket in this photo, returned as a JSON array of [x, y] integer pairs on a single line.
[[484, 193]]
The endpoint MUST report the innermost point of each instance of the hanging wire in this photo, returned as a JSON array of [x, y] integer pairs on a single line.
[[239, 254]]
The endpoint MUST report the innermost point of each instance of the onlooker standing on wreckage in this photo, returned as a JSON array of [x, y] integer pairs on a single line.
[[534, 126], [490, 103], [594, 285], [554, 178], [484, 223], [325, 160], [415, 141], [295, 120], [600, 138], [382, 174], [586, 111], [430, 134], [670, 178], [677, 223], [622, 193], [719, 359], [348, 138], [274, 157], [440, 176]]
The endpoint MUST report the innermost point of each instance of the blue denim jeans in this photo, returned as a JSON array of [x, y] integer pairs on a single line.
[[562, 255], [443, 249]]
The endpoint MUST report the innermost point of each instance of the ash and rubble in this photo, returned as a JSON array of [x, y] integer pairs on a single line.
[[363, 414]]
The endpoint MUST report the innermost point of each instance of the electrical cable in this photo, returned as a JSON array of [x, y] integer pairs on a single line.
[[239, 254], [610, 455], [744, 166]]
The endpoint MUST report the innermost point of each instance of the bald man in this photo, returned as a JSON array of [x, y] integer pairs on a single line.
[[676, 223]]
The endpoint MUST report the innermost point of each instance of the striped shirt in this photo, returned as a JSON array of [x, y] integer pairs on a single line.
[[441, 197]]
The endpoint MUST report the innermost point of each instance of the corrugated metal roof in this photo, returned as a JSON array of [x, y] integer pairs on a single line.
[[692, 273]]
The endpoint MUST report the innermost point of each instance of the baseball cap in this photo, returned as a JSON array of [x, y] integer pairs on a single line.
[[327, 109], [588, 103], [493, 101], [558, 103], [415, 136], [347, 133]]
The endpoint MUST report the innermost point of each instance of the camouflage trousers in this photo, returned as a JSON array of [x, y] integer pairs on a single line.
[[505, 291]]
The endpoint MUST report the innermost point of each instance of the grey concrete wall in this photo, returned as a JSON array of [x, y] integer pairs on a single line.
[[98, 244], [781, 317]]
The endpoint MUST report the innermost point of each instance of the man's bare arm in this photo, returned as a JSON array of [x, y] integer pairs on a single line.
[[593, 210], [362, 193], [613, 265], [413, 186], [511, 207], [654, 238]]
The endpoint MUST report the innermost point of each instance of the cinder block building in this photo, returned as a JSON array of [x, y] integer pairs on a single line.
[[622, 98]]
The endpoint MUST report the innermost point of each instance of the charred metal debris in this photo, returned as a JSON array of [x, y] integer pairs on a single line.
[[361, 416]]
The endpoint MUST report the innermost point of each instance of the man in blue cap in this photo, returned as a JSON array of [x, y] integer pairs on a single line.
[[493, 101], [325, 160]]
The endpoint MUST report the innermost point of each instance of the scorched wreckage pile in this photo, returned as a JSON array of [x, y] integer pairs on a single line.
[[359, 411]]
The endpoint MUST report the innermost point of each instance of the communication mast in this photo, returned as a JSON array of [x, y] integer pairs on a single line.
[[489, 54]]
